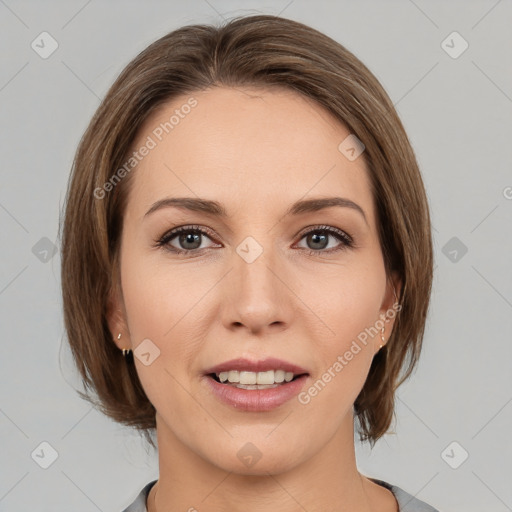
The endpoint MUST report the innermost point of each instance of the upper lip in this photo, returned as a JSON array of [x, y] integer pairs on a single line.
[[246, 365]]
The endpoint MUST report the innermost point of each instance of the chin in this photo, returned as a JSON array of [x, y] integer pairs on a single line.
[[256, 457], [273, 465]]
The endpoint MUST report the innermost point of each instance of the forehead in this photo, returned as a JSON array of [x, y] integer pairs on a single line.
[[245, 146]]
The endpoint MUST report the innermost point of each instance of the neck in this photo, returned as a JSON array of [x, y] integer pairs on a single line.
[[327, 481]]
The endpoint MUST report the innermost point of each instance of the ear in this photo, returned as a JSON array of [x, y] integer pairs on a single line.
[[116, 319], [390, 307]]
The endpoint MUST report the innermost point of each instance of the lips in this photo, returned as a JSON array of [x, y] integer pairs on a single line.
[[238, 383], [265, 365]]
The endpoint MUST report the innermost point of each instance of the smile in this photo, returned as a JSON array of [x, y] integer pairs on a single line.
[[254, 380]]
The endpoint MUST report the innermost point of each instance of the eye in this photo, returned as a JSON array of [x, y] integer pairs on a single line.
[[188, 239], [318, 239]]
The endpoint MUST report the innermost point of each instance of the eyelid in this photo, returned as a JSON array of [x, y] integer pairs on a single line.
[[172, 233], [330, 229]]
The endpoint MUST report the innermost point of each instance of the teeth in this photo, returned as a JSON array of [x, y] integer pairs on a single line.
[[260, 378], [279, 375], [234, 376], [255, 386], [248, 377], [264, 377]]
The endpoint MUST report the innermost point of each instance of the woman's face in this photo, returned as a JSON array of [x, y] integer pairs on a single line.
[[266, 281]]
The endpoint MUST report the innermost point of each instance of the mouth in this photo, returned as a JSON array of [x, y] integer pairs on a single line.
[[255, 386]]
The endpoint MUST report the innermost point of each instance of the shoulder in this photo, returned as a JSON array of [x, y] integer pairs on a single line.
[[139, 505], [406, 502]]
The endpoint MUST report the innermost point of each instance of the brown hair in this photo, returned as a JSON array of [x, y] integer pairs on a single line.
[[266, 51]]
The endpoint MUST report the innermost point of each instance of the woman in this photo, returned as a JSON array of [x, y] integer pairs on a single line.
[[299, 306]]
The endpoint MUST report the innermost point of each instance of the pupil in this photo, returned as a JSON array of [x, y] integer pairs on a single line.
[[316, 239], [190, 238]]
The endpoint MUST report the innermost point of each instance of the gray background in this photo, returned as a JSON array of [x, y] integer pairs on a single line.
[[457, 112]]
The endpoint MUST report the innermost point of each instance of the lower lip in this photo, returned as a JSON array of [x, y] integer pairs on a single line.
[[256, 400]]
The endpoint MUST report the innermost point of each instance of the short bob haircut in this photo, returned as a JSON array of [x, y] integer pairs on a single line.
[[263, 51]]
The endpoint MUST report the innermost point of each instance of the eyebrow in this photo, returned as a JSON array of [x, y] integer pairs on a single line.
[[216, 209]]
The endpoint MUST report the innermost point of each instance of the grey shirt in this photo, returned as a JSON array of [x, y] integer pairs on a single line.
[[406, 502]]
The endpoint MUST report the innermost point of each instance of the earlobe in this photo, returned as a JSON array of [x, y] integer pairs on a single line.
[[116, 321], [393, 289], [389, 310]]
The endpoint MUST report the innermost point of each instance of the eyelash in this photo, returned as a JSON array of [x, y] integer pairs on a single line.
[[346, 241]]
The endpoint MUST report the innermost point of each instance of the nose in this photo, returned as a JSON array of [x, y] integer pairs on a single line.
[[257, 294]]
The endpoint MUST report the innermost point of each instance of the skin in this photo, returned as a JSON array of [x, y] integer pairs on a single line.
[[256, 151]]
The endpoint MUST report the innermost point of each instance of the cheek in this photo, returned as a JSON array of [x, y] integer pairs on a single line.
[[157, 300], [157, 312], [346, 299], [343, 361], [348, 305]]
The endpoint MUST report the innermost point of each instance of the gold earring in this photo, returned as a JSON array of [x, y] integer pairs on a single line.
[[382, 337], [126, 351]]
